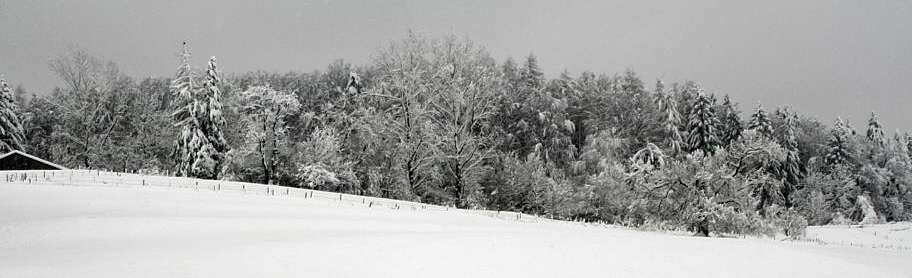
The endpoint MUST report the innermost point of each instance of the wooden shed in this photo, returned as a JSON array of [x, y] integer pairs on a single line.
[[16, 160]]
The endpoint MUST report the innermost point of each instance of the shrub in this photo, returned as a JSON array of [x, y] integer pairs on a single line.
[[315, 176], [791, 223]]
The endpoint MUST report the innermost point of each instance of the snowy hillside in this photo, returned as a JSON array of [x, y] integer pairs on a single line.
[[90, 230]]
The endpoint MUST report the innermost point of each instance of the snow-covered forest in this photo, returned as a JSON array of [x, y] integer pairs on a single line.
[[438, 120]]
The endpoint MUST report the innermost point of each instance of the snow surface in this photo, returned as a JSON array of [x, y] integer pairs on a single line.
[[891, 236], [51, 230]]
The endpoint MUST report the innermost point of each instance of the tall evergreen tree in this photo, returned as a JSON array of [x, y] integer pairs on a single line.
[[760, 122], [730, 122], [875, 132], [671, 119], [201, 146], [702, 125], [791, 167], [660, 87], [908, 137], [214, 120], [531, 73], [12, 135], [838, 150]]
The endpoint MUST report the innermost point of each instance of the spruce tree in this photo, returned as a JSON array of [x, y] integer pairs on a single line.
[[191, 138], [702, 125], [12, 135], [838, 152], [532, 74], [908, 139], [201, 146], [760, 122], [660, 87], [875, 132], [213, 120], [671, 119], [730, 122], [791, 167]]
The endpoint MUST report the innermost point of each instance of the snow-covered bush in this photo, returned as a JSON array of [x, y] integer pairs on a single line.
[[698, 193], [321, 156], [813, 198], [524, 185], [725, 219], [868, 214], [788, 221], [316, 176]]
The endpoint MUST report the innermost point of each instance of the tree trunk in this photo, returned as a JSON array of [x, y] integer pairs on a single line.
[[702, 228]]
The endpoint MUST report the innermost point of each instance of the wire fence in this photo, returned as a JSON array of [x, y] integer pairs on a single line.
[[128, 180]]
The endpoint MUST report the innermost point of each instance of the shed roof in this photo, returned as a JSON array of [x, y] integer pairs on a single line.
[[12, 154]]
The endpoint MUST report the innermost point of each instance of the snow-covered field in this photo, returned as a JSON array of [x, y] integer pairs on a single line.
[[891, 236], [49, 230]]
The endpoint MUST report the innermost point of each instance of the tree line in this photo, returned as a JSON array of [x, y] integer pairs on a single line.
[[438, 120]]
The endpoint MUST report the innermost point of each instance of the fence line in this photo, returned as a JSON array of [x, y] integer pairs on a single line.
[[128, 180]]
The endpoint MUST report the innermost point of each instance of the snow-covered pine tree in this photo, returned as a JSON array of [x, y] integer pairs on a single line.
[[201, 146], [908, 139], [702, 125], [191, 138], [760, 122], [791, 167], [838, 152], [660, 87], [216, 119], [875, 132], [212, 121], [531, 73], [671, 119], [12, 135], [730, 122]]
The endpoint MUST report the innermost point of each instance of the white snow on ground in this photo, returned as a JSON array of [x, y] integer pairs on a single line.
[[891, 236], [92, 231]]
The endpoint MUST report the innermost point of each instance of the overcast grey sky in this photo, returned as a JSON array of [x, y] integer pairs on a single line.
[[824, 58]]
